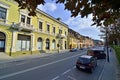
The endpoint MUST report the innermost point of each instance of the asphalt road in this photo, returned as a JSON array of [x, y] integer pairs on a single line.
[[53, 67]]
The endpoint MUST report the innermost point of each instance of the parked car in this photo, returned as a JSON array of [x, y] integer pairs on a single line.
[[86, 62], [99, 53], [73, 49]]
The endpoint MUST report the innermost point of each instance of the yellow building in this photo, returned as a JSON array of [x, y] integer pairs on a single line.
[[88, 42], [74, 39], [21, 34]]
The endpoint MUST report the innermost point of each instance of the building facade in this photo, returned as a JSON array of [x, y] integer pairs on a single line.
[[22, 34], [74, 39], [88, 42]]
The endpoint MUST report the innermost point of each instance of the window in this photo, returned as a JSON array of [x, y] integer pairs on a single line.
[[48, 28], [28, 20], [53, 29], [47, 44], [23, 43], [60, 31], [39, 44], [40, 25], [65, 32], [65, 44], [53, 44], [25, 19], [3, 12]]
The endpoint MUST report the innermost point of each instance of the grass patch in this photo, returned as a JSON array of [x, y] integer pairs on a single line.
[[117, 50]]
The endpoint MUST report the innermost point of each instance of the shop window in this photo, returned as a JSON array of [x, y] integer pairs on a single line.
[[23, 43], [39, 44]]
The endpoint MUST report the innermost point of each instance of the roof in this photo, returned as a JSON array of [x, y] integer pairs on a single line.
[[86, 56], [44, 13], [97, 49]]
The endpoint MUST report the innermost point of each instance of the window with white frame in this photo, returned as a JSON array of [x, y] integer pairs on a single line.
[[53, 44], [25, 19], [60, 31], [23, 43], [28, 20], [39, 44], [3, 12]]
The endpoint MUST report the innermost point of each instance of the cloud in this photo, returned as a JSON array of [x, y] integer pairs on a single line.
[[48, 7], [83, 26]]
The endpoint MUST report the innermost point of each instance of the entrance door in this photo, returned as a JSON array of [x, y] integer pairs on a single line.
[[2, 42]]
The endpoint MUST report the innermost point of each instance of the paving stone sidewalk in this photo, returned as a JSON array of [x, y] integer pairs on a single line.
[[111, 69], [7, 59]]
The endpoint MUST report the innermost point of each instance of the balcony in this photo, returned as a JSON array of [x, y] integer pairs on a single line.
[[2, 21], [22, 26], [61, 36]]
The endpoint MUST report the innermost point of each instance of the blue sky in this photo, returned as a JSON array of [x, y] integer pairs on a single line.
[[81, 25]]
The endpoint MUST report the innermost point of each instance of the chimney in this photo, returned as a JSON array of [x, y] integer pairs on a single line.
[[59, 19]]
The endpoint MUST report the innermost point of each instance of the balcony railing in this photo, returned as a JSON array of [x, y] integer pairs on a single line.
[[2, 21], [61, 36], [22, 26]]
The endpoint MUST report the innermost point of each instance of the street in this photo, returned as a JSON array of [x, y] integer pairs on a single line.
[[53, 67]]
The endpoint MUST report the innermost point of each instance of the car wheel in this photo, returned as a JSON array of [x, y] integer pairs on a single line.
[[77, 67], [91, 70]]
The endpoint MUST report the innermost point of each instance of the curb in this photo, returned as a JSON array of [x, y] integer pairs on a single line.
[[28, 57]]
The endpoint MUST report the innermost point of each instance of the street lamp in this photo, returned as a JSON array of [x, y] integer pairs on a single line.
[[107, 45]]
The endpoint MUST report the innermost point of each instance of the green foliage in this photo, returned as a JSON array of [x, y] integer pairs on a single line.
[[104, 12], [117, 50]]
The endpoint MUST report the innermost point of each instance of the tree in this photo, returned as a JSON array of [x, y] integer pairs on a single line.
[[113, 33], [105, 12]]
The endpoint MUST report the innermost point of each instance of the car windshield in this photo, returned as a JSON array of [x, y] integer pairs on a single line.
[[99, 52], [84, 60]]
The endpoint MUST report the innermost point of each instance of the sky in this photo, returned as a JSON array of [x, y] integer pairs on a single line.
[[78, 24]]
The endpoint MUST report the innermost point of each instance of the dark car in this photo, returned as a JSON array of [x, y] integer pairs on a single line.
[[99, 53], [73, 49], [86, 62]]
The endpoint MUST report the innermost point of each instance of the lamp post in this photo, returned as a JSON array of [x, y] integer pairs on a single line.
[[58, 45], [59, 37], [107, 45]]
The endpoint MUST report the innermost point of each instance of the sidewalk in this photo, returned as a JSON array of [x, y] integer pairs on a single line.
[[111, 69], [7, 59]]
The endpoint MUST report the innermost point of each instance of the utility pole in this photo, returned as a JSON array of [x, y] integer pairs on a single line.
[[107, 45]]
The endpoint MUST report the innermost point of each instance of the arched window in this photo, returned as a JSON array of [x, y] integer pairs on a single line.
[[39, 43], [2, 42], [47, 44], [53, 44]]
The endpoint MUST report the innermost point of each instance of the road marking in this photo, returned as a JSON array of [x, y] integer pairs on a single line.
[[66, 71], [72, 78], [55, 78], [99, 78], [74, 67], [37, 67]]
